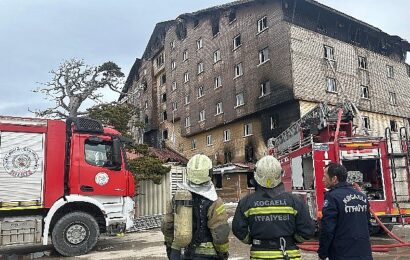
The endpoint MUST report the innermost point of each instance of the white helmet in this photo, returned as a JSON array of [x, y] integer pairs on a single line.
[[268, 172], [198, 169]]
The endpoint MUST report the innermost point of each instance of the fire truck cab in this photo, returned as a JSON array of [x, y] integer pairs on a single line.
[[380, 165], [67, 180]]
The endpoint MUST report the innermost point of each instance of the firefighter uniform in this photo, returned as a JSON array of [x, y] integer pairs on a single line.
[[345, 224], [270, 219], [210, 228]]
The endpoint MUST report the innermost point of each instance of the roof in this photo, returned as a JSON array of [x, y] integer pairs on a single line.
[[168, 155]]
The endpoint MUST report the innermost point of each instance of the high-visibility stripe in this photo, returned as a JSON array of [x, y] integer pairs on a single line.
[[276, 254], [219, 210], [271, 210], [293, 258], [205, 249], [21, 208], [222, 247]]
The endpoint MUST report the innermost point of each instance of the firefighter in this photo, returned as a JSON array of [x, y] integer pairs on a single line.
[[345, 222], [210, 228], [271, 220]]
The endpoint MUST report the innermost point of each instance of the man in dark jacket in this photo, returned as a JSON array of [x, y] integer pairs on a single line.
[[345, 223], [270, 219]]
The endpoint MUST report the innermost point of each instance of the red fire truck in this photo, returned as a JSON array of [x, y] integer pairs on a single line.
[[379, 164], [67, 180]]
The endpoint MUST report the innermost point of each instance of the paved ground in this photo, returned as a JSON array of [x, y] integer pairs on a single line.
[[148, 246]]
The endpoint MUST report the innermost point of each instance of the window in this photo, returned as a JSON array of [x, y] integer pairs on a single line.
[[174, 106], [173, 65], [217, 82], [232, 15], [185, 55], [187, 122], [249, 178], [390, 72], [331, 85], [145, 72], [199, 44], [164, 115], [227, 157], [187, 100], [160, 60], [238, 70], [249, 154], [219, 109], [237, 41], [193, 143], [393, 126], [200, 67], [164, 97], [208, 140], [217, 56], [362, 63], [239, 100], [408, 69], [162, 79], [172, 44], [262, 24], [202, 116], [263, 55], [227, 135], [174, 86], [164, 134], [146, 104], [186, 77], [217, 180], [99, 154], [392, 98], [273, 122], [144, 86], [366, 122], [329, 53], [247, 129], [201, 91], [365, 92], [146, 119], [265, 88]]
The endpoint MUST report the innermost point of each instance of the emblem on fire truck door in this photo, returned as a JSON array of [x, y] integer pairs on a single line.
[[21, 162], [102, 178]]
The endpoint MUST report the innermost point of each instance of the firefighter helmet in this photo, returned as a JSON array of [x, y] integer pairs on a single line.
[[268, 172], [198, 169]]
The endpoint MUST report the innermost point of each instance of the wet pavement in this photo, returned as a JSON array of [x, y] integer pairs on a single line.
[[148, 245]]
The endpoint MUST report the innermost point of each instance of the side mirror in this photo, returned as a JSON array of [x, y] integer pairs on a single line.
[[117, 153]]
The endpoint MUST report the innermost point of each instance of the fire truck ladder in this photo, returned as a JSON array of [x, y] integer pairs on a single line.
[[398, 155]]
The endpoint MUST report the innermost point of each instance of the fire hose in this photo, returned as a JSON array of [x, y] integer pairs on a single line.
[[314, 245]]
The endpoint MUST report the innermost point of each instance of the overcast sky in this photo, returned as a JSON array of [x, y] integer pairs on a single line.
[[37, 35]]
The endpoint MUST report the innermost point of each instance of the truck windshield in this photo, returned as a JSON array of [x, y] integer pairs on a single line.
[[99, 154]]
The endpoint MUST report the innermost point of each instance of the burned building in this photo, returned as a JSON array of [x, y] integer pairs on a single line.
[[223, 80]]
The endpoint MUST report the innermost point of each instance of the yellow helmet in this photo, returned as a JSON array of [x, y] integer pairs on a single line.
[[198, 169], [268, 172]]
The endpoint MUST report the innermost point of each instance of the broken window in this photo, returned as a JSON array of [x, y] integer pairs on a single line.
[[181, 30], [215, 25], [393, 125], [329, 53], [227, 157], [366, 122], [232, 15], [263, 55], [164, 97], [262, 24], [146, 119], [365, 92], [249, 178], [160, 60], [273, 122], [217, 180], [164, 134], [249, 155], [331, 85], [237, 41], [164, 115], [162, 79], [362, 63]]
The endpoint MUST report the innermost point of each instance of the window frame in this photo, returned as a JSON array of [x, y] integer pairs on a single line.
[[209, 140], [227, 135], [200, 67], [202, 116], [362, 62], [235, 45], [201, 92], [238, 70], [393, 98], [185, 55], [199, 44], [262, 24], [219, 106], [186, 77], [334, 90], [187, 122], [238, 103], [247, 130], [217, 82], [362, 93], [217, 55], [366, 122], [390, 71], [263, 57], [331, 53]]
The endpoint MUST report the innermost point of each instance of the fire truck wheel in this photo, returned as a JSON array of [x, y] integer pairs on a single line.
[[75, 234]]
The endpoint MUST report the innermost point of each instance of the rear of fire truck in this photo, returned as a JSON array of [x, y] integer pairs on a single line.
[[379, 165], [64, 180]]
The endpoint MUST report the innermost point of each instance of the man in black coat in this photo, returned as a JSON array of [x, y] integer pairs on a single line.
[[344, 232]]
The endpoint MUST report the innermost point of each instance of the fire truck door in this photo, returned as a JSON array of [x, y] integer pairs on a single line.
[[97, 174]]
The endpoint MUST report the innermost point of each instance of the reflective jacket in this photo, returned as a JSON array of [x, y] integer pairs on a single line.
[[267, 215], [344, 231], [210, 228]]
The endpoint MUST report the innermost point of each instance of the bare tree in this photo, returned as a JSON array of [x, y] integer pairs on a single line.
[[74, 82]]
